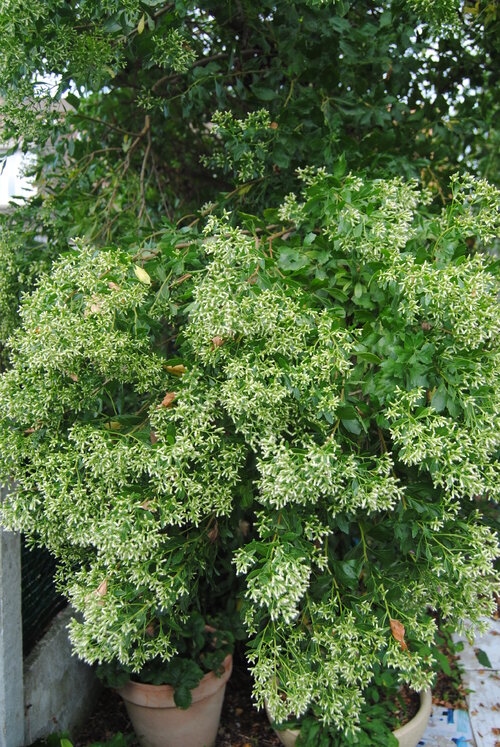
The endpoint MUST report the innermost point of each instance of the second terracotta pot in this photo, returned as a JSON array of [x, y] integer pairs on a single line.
[[408, 735], [159, 723]]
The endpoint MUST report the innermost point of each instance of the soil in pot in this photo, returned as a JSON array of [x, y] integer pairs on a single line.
[[410, 734], [159, 723]]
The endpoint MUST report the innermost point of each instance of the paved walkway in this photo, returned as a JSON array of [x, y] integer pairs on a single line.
[[480, 726]]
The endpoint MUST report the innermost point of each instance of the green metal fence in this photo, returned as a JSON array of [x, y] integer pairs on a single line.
[[40, 600]]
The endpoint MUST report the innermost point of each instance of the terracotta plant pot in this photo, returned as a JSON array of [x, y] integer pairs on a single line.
[[408, 735], [159, 723]]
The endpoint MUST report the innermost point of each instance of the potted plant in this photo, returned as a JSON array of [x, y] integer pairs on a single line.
[[145, 574], [370, 518], [303, 404], [389, 717], [178, 701]]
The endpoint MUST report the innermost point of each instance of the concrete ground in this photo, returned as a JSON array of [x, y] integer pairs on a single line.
[[480, 725]]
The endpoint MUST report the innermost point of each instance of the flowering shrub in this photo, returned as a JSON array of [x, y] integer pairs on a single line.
[[313, 399]]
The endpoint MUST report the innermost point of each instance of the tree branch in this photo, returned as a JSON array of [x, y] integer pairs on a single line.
[[199, 63]]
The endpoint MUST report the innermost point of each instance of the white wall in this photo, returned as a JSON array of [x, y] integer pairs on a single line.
[[12, 183]]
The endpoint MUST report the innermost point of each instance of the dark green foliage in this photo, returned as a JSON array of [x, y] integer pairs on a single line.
[[116, 100], [201, 648], [117, 740], [63, 740]]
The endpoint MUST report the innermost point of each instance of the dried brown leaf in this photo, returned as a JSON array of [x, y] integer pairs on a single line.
[[213, 533], [168, 399], [102, 589], [113, 425], [176, 370], [398, 631]]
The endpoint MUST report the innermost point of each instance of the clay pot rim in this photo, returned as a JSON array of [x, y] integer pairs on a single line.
[[162, 696], [420, 718]]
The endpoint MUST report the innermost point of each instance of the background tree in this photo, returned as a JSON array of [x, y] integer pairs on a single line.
[[120, 102]]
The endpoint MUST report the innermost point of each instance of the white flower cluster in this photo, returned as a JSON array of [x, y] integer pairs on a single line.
[[226, 308], [172, 50], [292, 210], [480, 202], [255, 396], [298, 475], [459, 457], [311, 175], [459, 299], [307, 472], [325, 659], [281, 583], [385, 229], [246, 143]]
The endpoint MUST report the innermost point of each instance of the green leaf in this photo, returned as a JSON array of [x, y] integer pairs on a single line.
[[483, 658], [359, 289], [348, 571], [443, 662], [182, 697], [75, 101], [353, 426], [342, 523], [440, 398], [291, 259], [264, 94], [368, 357], [385, 19], [112, 674], [346, 412]]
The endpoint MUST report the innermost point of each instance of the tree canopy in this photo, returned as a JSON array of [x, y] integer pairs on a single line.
[[143, 110]]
